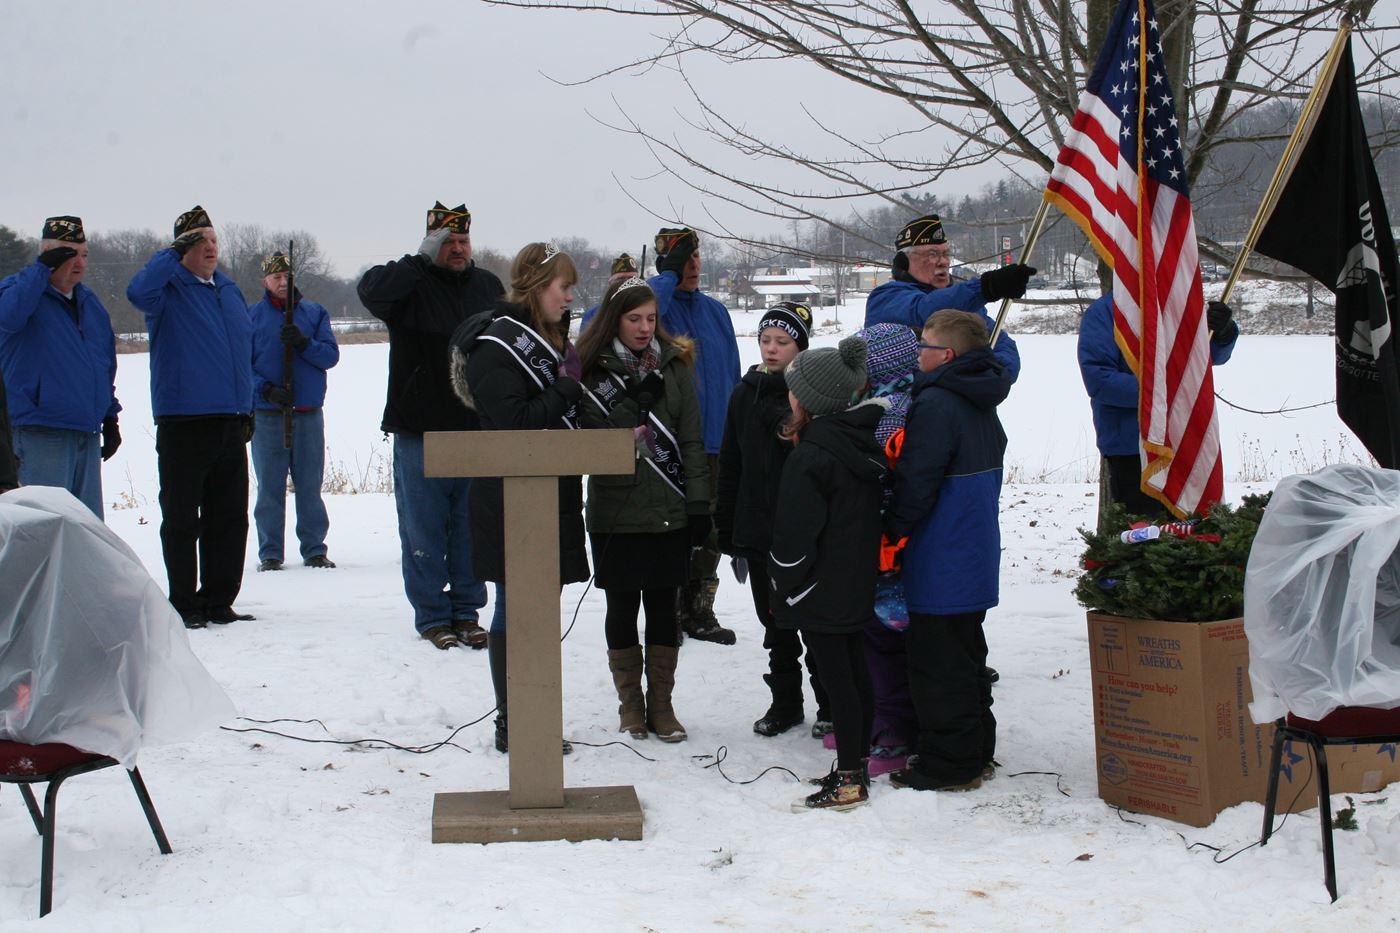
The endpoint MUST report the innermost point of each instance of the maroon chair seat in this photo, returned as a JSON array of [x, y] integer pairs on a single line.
[[1347, 721], [18, 759], [1346, 725], [53, 763]]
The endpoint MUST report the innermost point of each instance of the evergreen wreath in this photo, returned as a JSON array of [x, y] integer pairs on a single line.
[[1196, 578]]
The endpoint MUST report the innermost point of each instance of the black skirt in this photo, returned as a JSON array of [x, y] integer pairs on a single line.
[[640, 561]]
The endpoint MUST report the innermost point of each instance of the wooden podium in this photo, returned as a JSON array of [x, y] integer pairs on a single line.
[[537, 807]]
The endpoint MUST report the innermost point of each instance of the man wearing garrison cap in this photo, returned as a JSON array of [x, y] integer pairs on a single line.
[[682, 308], [422, 298], [59, 360], [202, 398], [921, 284], [314, 351]]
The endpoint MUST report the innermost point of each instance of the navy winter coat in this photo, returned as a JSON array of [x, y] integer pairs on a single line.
[[1112, 387], [700, 317], [826, 532], [59, 372], [308, 366], [201, 340], [947, 483], [905, 301]]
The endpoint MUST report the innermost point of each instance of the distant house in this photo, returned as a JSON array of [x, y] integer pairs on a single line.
[[788, 287]]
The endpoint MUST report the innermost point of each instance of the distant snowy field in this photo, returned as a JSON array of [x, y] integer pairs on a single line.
[[272, 834]]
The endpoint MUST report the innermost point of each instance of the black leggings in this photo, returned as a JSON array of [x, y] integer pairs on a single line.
[[840, 661], [620, 625]]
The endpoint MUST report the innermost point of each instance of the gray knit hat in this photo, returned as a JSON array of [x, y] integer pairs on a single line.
[[827, 380]]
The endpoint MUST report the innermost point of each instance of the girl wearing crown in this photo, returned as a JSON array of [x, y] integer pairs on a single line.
[[642, 527]]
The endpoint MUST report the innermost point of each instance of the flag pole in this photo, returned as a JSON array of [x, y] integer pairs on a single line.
[[1026, 248], [1284, 170]]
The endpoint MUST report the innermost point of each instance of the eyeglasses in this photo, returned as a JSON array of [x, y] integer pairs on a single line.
[[933, 346], [928, 255]]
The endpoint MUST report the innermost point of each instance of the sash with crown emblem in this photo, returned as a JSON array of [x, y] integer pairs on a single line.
[[534, 354], [657, 447]]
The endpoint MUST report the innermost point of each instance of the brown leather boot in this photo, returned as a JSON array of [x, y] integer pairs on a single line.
[[626, 665], [661, 679]]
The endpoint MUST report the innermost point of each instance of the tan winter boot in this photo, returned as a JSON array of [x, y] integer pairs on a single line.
[[661, 679], [626, 666]]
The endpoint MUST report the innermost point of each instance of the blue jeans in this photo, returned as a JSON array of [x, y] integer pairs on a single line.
[[71, 460], [306, 462], [435, 533]]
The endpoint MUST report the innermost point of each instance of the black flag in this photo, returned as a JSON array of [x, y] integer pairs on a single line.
[[1331, 222]]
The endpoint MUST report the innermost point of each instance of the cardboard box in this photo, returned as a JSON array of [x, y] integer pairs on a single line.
[[1172, 732]]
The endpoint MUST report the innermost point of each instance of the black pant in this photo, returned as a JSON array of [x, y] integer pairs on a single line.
[[784, 647], [1125, 485], [952, 694], [203, 467], [620, 624], [840, 661]]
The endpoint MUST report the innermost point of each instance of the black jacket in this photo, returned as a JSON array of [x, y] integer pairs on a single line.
[[751, 460], [9, 470], [505, 398], [423, 304], [826, 532]]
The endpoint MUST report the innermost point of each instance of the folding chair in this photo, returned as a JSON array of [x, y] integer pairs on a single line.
[[1349, 725], [54, 763]]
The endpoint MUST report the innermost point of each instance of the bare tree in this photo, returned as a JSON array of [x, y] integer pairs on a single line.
[[986, 81]]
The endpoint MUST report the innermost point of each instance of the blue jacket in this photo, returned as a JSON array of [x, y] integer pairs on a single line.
[[947, 483], [904, 301], [309, 366], [697, 315], [201, 340], [59, 373], [1112, 387]]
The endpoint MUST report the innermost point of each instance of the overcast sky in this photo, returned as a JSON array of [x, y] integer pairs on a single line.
[[350, 119]]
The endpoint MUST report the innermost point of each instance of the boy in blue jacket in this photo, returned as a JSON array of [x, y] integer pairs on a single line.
[[946, 491]]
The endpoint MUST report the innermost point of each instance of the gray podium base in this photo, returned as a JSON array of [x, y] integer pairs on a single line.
[[588, 813]]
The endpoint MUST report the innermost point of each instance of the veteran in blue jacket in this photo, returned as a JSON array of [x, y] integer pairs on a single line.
[[685, 310], [202, 397], [314, 351], [922, 284], [1113, 395], [59, 360]]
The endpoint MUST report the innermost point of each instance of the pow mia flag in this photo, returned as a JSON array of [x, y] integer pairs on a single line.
[[1331, 222]]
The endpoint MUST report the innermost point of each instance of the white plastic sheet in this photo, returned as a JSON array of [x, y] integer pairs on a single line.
[[92, 654], [1322, 595]]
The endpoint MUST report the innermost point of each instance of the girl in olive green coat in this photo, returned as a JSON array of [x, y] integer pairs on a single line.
[[642, 527]]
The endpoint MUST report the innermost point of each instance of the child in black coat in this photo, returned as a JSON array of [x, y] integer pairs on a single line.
[[826, 542], [751, 461]]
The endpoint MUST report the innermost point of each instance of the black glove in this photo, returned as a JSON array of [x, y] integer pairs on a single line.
[[250, 425], [1006, 282], [675, 260], [53, 258], [899, 268], [652, 386], [1218, 318], [277, 395], [571, 389], [185, 241], [699, 527], [111, 438], [294, 338]]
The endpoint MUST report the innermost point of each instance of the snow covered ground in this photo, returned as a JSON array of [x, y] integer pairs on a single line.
[[273, 834]]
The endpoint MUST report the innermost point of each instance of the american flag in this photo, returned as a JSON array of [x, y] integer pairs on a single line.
[[1121, 177]]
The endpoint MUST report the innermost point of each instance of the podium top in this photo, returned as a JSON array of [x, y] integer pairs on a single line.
[[601, 452]]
